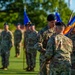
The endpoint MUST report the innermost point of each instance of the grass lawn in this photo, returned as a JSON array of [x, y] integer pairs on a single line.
[[16, 65]]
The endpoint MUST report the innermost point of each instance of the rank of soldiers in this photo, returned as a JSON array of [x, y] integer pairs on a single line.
[[57, 51]]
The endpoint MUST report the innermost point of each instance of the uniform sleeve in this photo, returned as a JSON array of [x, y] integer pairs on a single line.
[[24, 39], [39, 45], [50, 49], [14, 37], [70, 46], [20, 35], [11, 40]]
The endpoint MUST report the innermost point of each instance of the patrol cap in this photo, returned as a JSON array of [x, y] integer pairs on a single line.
[[18, 24], [51, 17], [60, 24], [6, 24]]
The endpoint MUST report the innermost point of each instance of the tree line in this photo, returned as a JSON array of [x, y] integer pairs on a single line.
[[12, 11]]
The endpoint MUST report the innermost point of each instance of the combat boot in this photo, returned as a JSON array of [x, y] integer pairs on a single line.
[[28, 69], [18, 55], [31, 69], [5, 69]]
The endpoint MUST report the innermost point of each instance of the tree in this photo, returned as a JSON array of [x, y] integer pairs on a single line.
[[37, 11]]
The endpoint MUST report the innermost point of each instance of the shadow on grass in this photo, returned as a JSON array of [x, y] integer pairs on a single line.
[[14, 71], [16, 61], [20, 61]]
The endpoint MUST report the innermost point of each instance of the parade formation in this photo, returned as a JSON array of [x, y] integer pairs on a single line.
[[56, 49], [55, 43]]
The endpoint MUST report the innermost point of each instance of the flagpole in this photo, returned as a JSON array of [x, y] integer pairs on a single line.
[[24, 2], [69, 3]]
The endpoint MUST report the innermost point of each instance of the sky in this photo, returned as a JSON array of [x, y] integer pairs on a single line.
[[72, 6]]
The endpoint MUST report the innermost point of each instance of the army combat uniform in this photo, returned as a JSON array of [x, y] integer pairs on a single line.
[[72, 37], [30, 40], [17, 41], [26, 33], [43, 37], [6, 44], [58, 50]]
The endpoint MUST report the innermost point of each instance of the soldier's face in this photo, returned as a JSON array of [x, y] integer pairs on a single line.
[[28, 27], [18, 27], [32, 28], [59, 29], [51, 24], [6, 27]]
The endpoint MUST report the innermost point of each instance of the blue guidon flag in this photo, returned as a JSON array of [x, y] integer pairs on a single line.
[[26, 18], [58, 17]]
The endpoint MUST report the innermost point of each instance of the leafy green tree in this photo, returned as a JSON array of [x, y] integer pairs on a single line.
[[37, 11]]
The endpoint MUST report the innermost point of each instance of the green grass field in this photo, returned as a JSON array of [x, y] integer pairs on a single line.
[[16, 65]]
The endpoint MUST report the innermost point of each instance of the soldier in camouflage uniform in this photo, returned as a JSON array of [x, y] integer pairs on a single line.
[[6, 44], [58, 50], [17, 40], [43, 37], [31, 52], [26, 34], [32, 40], [72, 37]]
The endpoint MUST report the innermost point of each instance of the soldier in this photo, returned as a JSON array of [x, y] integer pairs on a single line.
[[72, 37], [58, 50], [17, 40], [26, 33], [6, 44], [31, 52], [43, 37], [32, 40]]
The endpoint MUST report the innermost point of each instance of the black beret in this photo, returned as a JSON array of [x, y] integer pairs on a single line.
[[5, 24], [60, 24], [51, 17]]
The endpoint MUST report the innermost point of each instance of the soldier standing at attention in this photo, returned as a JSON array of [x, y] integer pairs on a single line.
[[32, 40], [26, 34], [6, 44], [17, 40], [43, 37], [58, 50]]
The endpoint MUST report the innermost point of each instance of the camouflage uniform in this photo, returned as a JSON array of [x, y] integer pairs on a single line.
[[26, 33], [6, 44], [72, 37], [17, 41], [59, 48], [43, 37], [31, 39]]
